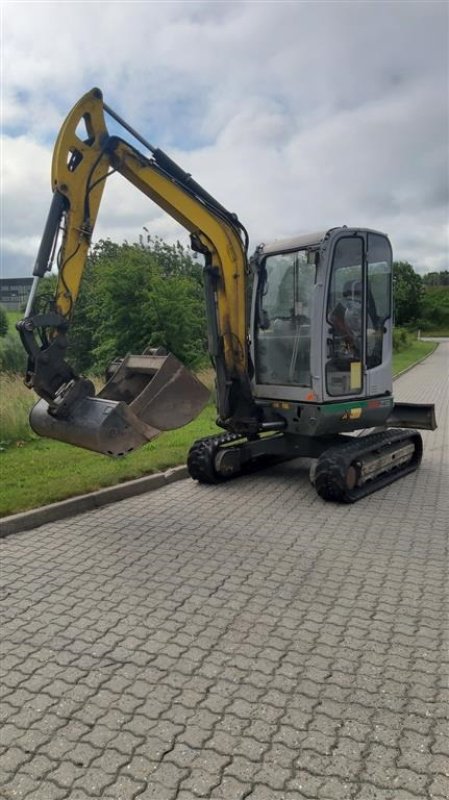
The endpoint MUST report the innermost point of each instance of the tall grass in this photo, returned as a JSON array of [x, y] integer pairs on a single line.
[[12, 354], [15, 403]]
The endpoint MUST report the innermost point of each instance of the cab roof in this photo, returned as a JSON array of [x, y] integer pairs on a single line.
[[295, 243], [307, 240]]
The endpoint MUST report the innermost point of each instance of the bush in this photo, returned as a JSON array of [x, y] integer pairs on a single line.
[[3, 322], [401, 339], [12, 355]]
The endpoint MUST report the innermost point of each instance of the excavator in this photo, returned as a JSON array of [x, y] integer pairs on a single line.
[[299, 333]]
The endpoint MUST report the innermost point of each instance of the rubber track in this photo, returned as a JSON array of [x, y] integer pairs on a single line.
[[200, 460], [333, 464]]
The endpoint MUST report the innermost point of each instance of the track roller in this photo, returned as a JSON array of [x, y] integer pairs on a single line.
[[348, 472], [202, 455]]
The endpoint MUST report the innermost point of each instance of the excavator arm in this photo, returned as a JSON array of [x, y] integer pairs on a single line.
[[81, 165]]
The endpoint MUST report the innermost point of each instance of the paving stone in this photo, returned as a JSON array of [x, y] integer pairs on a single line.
[[336, 789], [272, 775], [229, 789], [372, 792], [155, 791], [440, 786], [50, 791], [200, 782], [93, 781], [20, 786], [194, 737], [125, 787], [38, 767], [242, 768], [249, 748], [244, 640], [304, 783], [12, 759], [263, 792], [223, 742], [110, 761], [182, 755], [210, 761]]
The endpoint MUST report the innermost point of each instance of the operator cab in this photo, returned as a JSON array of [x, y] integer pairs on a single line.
[[321, 316]]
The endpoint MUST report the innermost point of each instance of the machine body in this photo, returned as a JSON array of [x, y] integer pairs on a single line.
[[305, 364]]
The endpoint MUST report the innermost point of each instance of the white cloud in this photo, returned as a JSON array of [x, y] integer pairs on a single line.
[[296, 115]]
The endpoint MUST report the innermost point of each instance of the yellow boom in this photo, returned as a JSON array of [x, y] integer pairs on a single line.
[[79, 172], [82, 162]]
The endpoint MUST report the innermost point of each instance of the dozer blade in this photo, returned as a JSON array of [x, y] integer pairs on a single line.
[[412, 415], [144, 396]]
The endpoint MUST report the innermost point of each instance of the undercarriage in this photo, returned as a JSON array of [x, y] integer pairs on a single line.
[[347, 469]]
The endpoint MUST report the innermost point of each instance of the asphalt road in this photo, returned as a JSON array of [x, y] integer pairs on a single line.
[[240, 641]]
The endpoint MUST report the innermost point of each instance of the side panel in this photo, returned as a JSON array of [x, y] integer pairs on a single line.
[[314, 419]]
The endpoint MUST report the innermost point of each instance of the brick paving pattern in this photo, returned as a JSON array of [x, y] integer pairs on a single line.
[[240, 641]]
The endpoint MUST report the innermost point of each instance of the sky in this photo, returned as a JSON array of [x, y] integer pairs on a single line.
[[298, 116]]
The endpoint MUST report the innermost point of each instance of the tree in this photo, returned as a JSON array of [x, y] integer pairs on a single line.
[[137, 295], [407, 293], [435, 310], [3, 322], [133, 296], [436, 278]]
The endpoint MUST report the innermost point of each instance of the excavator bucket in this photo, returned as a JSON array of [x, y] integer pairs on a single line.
[[146, 394]]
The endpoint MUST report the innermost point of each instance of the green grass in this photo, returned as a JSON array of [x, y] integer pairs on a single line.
[[15, 404], [437, 332], [416, 351], [13, 317], [35, 472], [44, 471]]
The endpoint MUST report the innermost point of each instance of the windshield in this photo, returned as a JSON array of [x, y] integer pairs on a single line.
[[284, 318], [288, 285]]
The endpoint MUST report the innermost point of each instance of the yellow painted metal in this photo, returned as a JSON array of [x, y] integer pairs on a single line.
[[218, 237], [84, 186], [75, 185], [356, 375]]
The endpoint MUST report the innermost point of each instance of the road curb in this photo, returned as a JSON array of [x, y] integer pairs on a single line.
[[87, 502]]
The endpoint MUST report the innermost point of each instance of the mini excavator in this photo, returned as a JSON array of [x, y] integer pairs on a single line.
[[299, 366]]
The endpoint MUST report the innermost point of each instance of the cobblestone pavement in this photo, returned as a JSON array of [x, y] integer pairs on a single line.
[[240, 641]]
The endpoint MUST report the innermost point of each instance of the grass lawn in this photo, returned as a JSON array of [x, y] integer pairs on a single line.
[[40, 471], [13, 317], [416, 351], [43, 471]]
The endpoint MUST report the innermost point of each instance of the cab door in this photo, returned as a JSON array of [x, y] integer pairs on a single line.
[[379, 322], [358, 316], [345, 319]]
